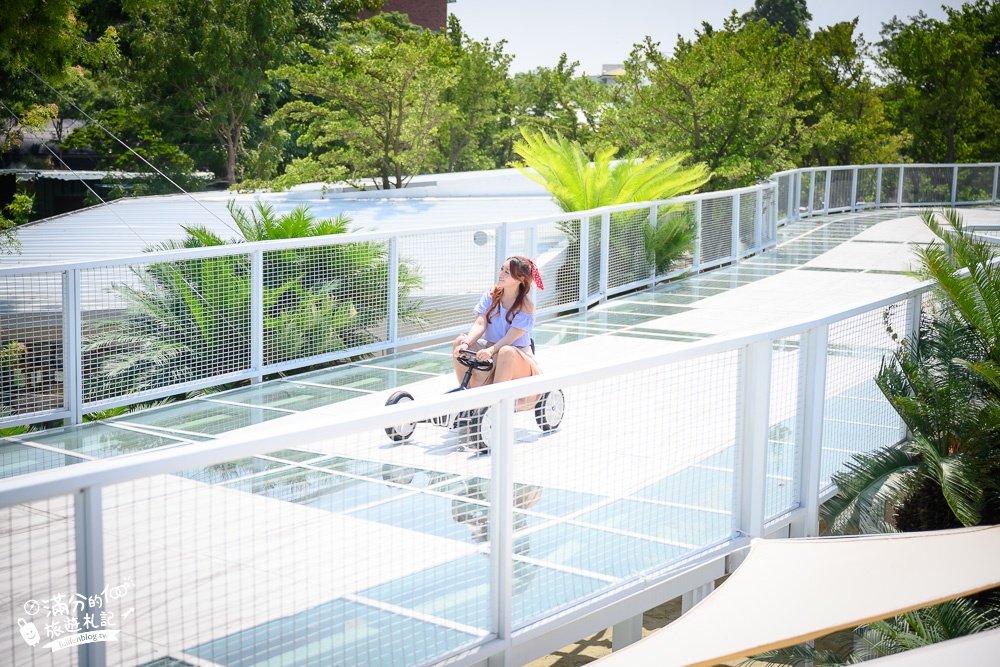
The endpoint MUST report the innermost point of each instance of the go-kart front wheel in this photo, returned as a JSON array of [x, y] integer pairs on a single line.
[[481, 430], [400, 432], [549, 410]]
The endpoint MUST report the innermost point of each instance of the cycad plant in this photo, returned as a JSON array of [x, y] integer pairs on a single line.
[[946, 387], [578, 183], [190, 319], [914, 629]]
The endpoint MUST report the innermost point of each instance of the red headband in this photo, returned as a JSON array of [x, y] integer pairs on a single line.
[[535, 275]]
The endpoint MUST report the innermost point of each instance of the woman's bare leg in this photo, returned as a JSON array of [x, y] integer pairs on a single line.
[[478, 377], [510, 365]]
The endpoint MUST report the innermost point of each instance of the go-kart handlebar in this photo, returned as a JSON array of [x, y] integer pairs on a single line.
[[468, 359]]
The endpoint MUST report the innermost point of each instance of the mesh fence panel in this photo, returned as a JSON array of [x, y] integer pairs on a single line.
[[149, 326], [856, 415], [748, 221], [38, 594], [716, 229], [867, 186], [343, 551], [840, 188], [805, 190], [770, 214], [559, 262], [669, 220], [594, 256], [784, 454], [627, 253], [975, 184], [31, 344], [926, 185], [450, 271], [638, 475], [784, 184], [326, 299], [819, 192], [890, 186]]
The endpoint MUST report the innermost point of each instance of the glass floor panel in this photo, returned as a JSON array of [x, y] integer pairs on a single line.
[[203, 417], [295, 455], [549, 501], [645, 308], [696, 487], [389, 472], [323, 490], [286, 395], [412, 361], [230, 470], [363, 379], [100, 440], [599, 551], [459, 590], [17, 459], [677, 524], [338, 632]]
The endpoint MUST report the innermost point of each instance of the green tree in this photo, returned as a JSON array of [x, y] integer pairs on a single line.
[[914, 629], [557, 100], [207, 60], [946, 388], [472, 137], [846, 122], [790, 16], [729, 98], [372, 103], [939, 88]]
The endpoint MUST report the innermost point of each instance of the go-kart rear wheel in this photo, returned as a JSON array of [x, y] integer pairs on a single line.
[[550, 409], [481, 430], [400, 432]]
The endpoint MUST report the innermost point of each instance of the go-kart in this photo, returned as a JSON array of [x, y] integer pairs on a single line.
[[549, 410]]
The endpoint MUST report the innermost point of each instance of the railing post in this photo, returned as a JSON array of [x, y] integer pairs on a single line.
[[654, 222], [911, 333], [735, 247], [826, 192], [89, 528], [502, 531], [257, 315], [793, 210], [954, 184], [584, 262], [996, 173], [878, 188], [899, 188], [812, 192], [696, 258], [501, 249], [605, 256], [758, 227], [72, 346], [753, 426], [392, 316], [854, 189], [809, 440]]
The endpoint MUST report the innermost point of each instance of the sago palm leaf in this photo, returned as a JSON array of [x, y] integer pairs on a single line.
[[869, 484]]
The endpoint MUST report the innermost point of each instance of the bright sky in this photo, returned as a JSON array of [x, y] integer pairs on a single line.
[[595, 33]]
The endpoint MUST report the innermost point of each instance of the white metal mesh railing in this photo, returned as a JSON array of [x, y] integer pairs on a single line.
[[320, 539], [81, 337]]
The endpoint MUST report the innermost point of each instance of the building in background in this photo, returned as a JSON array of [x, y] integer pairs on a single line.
[[430, 14], [609, 74]]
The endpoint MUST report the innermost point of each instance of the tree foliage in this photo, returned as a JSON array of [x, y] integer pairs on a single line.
[[373, 99], [941, 84], [791, 17], [207, 60], [728, 98]]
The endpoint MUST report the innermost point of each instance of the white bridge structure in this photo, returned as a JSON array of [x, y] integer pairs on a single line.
[[277, 524]]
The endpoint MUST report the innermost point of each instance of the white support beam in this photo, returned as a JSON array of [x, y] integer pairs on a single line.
[[753, 427], [72, 336], [605, 255], [502, 530], [256, 314], [626, 633], [89, 528], [692, 597], [809, 440]]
